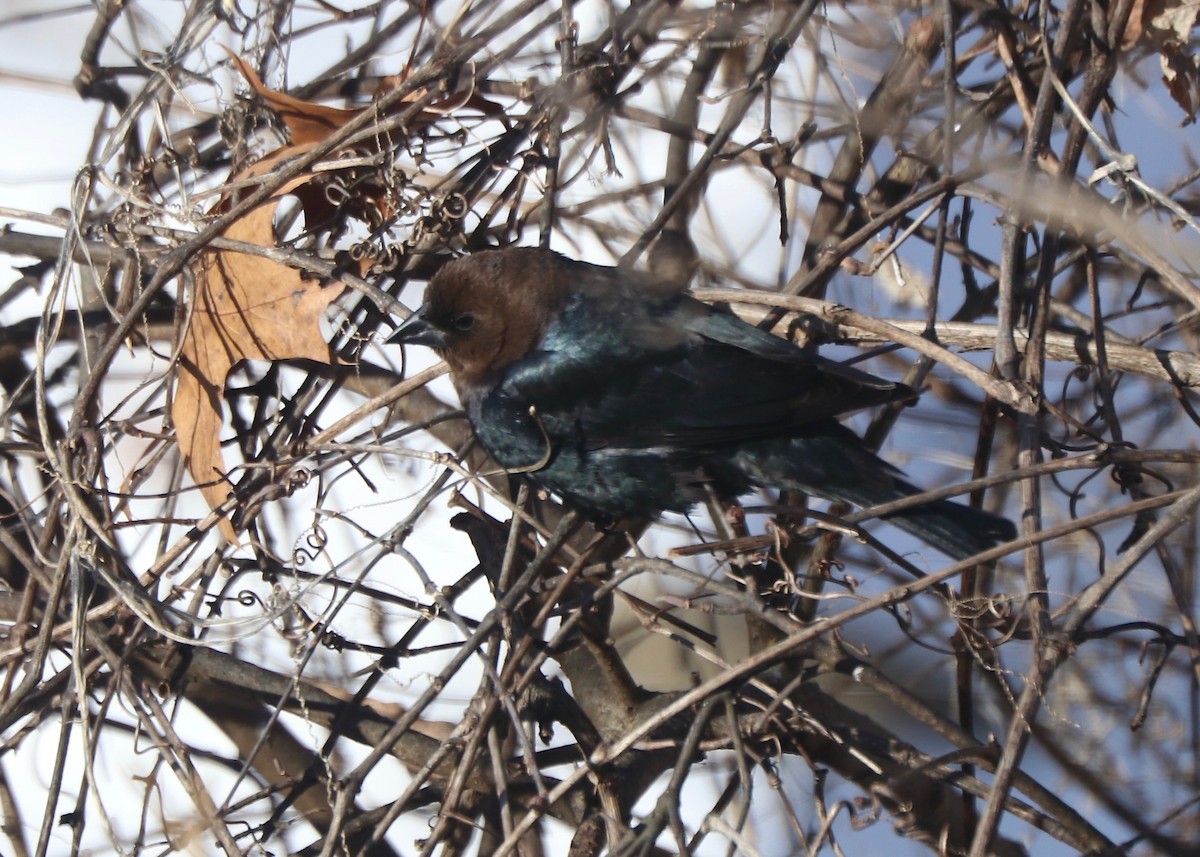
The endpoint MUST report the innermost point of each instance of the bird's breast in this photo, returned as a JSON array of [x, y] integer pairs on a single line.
[[552, 450]]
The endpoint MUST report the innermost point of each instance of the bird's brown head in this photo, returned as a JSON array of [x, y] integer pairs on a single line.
[[484, 311]]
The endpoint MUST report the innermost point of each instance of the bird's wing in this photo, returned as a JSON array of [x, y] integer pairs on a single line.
[[683, 375]]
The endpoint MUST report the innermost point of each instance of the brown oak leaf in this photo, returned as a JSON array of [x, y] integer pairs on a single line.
[[246, 307], [312, 122], [1166, 26]]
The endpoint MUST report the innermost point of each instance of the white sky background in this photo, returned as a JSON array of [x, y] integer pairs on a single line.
[[37, 167]]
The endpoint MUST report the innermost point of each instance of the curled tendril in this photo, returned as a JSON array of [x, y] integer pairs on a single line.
[[315, 541], [455, 206], [249, 598], [336, 192], [390, 258], [425, 225], [371, 214]]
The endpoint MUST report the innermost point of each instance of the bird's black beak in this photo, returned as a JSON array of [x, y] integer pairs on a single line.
[[416, 330]]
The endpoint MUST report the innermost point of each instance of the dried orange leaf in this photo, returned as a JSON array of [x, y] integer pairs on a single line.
[[307, 121], [310, 122], [1167, 26], [246, 307]]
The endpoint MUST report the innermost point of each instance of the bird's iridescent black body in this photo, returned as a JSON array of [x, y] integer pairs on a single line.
[[628, 397]]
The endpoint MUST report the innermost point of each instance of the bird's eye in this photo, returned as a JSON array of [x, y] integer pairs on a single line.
[[464, 322]]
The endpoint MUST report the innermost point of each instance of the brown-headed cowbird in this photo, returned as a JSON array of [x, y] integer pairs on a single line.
[[624, 395]]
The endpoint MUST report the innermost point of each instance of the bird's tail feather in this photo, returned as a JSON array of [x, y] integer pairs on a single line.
[[957, 530], [831, 462]]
